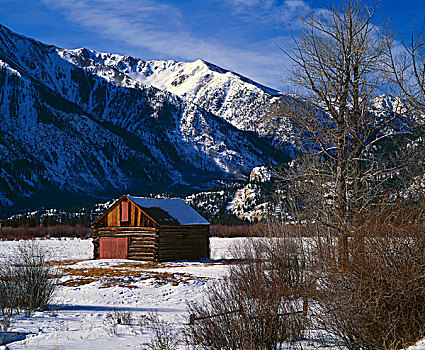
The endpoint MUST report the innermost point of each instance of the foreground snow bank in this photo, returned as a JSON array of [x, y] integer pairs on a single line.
[[91, 290]]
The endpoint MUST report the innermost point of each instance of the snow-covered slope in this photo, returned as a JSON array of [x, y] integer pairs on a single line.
[[253, 202], [235, 98], [71, 127]]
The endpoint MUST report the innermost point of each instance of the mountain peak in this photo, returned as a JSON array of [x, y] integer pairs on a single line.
[[82, 124], [229, 95]]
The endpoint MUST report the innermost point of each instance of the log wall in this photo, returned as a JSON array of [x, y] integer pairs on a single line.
[[183, 242], [166, 243]]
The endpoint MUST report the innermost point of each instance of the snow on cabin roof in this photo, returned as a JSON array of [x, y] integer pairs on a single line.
[[176, 208]]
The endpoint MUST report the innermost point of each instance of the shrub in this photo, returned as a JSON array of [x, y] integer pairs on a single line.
[[4, 323], [256, 305], [376, 300], [26, 283], [115, 318], [40, 231], [163, 335], [119, 317], [228, 231]]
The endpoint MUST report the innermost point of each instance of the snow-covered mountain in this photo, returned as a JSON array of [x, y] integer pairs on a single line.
[[81, 125], [235, 98], [75, 125]]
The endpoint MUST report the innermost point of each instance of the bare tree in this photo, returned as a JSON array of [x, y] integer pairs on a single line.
[[348, 180], [408, 66], [339, 66]]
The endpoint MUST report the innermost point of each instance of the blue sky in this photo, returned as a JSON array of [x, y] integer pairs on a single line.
[[239, 35]]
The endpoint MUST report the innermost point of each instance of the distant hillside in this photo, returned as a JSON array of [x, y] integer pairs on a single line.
[[76, 129]]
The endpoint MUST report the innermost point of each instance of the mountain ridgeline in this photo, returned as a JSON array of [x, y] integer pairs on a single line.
[[78, 126]]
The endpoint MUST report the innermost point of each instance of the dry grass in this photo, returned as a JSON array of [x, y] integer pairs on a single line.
[[121, 275], [62, 263]]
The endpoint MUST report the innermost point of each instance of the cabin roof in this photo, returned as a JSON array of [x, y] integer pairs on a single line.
[[160, 216], [169, 211]]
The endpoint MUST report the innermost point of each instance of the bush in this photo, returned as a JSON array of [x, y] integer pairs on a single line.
[[40, 231], [26, 283], [262, 229], [256, 305], [163, 335], [119, 317], [115, 318], [376, 299], [4, 323], [228, 231]]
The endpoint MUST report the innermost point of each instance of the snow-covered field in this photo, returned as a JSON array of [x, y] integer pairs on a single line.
[[79, 317], [93, 290]]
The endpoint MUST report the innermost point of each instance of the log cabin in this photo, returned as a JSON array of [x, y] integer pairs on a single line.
[[150, 229]]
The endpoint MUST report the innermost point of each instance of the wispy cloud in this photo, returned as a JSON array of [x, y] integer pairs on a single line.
[[160, 28], [271, 11]]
